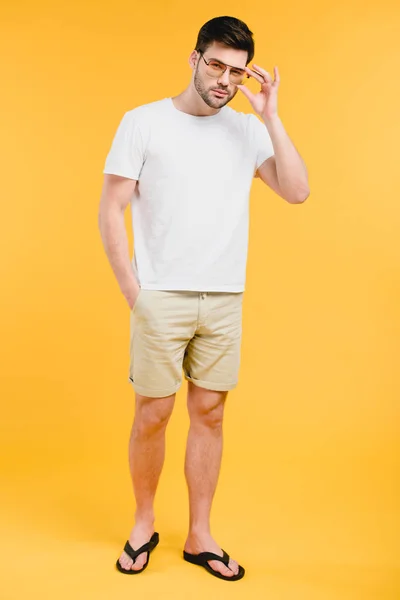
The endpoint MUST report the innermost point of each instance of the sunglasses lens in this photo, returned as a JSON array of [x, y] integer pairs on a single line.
[[216, 69]]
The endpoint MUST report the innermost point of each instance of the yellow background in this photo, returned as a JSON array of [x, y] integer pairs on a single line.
[[308, 494]]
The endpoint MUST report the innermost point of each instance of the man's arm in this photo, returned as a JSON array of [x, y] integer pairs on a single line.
[[116, 194], [285, 172]]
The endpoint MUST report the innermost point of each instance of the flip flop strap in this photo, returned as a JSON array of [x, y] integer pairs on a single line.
[[206, 556], [133, 554]]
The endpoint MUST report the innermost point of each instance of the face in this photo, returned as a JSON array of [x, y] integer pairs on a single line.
[[206, 84]]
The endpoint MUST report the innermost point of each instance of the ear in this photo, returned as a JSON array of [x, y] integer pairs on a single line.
[[193, 59]]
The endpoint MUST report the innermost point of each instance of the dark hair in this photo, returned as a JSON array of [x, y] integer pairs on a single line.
[[229, 31]]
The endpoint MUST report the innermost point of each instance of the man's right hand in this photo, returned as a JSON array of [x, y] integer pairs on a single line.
[[132, 300]]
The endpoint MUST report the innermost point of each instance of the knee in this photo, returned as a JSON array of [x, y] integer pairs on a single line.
[[152, 415], [207, 415], [212, 418]]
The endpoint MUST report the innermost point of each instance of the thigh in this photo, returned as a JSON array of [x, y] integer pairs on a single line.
[[161, 325], [212, 358]]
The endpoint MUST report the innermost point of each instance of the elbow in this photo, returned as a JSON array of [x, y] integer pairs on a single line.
[[299, 197], [303, 197]]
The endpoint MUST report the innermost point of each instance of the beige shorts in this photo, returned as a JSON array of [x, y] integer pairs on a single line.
[[194, 331]]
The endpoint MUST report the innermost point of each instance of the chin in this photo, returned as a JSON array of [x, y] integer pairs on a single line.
[[218, 102]]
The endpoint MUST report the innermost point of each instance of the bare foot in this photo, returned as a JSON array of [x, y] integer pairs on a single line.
[[140, 534], [197, 543]]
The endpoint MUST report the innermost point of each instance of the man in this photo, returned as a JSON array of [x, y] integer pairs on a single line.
[[186, 165]]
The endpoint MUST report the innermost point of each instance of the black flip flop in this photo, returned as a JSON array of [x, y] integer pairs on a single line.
[[133, 554], [203, 558]]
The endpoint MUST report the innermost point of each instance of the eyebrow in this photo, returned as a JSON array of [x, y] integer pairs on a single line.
[[222, 63]]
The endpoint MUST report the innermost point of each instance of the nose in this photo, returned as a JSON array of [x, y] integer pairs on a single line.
[[224, 78]]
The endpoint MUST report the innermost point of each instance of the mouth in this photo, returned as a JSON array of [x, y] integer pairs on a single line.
[[220, 93]]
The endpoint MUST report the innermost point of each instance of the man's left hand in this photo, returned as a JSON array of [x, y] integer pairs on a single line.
[[265, 103]]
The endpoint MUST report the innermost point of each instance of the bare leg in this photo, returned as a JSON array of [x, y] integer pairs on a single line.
[[202, 466], [146, 459]]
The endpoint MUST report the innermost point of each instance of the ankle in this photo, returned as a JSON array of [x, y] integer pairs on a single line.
[[144, 519], [199, 531]]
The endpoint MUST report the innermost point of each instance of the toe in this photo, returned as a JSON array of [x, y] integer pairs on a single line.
[[139, 562], [221, 568], [125, 561], [233, 565]]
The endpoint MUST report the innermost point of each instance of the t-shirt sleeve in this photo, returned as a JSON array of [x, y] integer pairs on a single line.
[[127, 152], [262, 142]]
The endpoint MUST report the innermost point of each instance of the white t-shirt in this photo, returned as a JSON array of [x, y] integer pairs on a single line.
[[190, 208]]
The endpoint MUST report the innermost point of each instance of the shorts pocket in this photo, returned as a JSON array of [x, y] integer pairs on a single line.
[[136, 301]]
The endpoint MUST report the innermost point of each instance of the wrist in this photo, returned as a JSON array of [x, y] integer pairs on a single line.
[[271, 121], [131, 291]]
